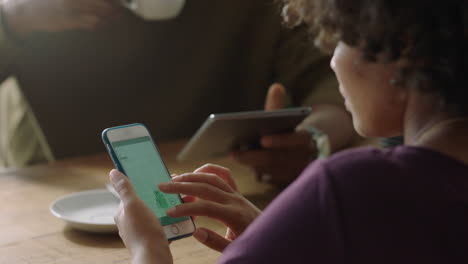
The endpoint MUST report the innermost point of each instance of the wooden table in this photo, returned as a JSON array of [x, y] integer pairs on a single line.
[[30, 234]]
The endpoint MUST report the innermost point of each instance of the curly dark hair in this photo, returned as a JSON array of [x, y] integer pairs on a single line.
[[429, 38]]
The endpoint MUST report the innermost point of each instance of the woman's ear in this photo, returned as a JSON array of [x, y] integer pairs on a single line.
[[398, 85]]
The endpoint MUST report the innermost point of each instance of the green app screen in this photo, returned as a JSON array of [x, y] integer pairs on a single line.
[[146, 170]]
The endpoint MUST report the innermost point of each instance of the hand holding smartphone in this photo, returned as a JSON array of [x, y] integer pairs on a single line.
[[134, 154]]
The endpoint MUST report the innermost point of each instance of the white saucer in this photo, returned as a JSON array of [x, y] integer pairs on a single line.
[[91, 211]]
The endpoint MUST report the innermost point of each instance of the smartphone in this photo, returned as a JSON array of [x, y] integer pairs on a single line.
[[223, 133], [135, 154]]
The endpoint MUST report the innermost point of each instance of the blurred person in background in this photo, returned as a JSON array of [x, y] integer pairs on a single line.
[[84, 65]]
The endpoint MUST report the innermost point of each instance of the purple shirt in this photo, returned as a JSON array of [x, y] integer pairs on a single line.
[[404, 205]]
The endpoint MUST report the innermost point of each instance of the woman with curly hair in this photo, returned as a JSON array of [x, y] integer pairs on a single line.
[[402, 67]]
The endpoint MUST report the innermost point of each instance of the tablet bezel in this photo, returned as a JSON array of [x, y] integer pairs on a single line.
[[240, 122]]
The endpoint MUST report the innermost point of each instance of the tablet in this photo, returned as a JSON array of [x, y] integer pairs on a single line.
[[221, 134]]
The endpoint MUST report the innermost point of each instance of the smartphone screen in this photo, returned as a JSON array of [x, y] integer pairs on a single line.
[[146, 170]]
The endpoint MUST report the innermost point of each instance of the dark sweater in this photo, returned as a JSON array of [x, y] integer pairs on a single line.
[[402, 205]]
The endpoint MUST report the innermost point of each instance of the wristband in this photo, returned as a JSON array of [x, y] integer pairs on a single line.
[[320, 140]]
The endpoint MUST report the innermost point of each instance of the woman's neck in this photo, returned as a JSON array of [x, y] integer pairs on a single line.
[[427, 127]]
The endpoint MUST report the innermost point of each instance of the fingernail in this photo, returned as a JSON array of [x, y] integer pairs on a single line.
[[201, 235], [116, 176], [170, 211], [177, 178], [163, 185]]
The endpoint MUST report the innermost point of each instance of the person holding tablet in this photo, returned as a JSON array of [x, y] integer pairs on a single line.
[[100, 54], [402, 69], [281, 157]]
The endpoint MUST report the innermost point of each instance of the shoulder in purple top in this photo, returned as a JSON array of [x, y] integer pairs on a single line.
[[404, 205]]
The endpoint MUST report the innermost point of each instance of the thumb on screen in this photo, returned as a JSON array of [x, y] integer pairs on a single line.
[[122, 185]]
